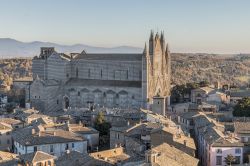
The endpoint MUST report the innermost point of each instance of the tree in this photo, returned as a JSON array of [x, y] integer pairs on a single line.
[[101, 125], [179, 91], [100, 118], [242, 108], [229, 159], [204, 83]]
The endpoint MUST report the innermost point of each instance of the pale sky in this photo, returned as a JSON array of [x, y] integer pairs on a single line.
[[212, 26]]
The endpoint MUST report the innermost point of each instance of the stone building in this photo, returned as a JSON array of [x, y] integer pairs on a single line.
[[81, 80]]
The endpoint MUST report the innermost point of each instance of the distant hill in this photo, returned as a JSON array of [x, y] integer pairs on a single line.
[[12, 48]]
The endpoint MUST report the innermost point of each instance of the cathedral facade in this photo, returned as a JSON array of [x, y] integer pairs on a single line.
[[81, 80]]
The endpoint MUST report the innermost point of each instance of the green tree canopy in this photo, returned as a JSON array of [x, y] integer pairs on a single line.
[[101, 125], [179, 91], [242, 108]]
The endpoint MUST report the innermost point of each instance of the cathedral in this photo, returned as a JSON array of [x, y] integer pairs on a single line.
[[83, 80]]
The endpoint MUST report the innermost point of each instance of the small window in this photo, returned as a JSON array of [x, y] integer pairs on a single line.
[[219, 151], [73, 145], [35, 97], [67, 75], [35, 148], [51, 149], [158, 102], [89, 73], [238, 151], [66, 146], [79, 93], [218, 160], [8, 133], [57, 101], [237, 160]]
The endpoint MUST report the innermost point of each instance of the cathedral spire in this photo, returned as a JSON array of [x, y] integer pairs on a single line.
[[167, 49], [162, 36], [162, 39], [157, 36], [151, 35], [145, 49], [151, 43]]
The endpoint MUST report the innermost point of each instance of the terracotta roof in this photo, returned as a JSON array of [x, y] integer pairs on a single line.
[[4, 126], [78, 159], [170, 156], [82, 130], [25, 137], [242, 127], [36, 157], [10, 121], [188, 115], [6, 156], [227, 142]]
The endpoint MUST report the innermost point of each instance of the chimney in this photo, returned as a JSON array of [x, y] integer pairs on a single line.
[[54, 133], [185, 142], [33, 131], [128, 123]]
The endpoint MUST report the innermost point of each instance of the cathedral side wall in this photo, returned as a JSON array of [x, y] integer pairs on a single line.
[[79, 96], [38, 68], [57, 68], [107, 70]]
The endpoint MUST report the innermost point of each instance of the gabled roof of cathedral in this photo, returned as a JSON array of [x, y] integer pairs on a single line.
[[111, 56]]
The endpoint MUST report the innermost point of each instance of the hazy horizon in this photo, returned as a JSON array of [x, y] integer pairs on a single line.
[[189, 26]]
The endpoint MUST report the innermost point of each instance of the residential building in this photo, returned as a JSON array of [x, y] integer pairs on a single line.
[[166, 155], [89, 133], [214, 143], [54, 142], [5, 136], [8, 159]]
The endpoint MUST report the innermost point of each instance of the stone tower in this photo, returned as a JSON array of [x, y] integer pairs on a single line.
[[156, 72]]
